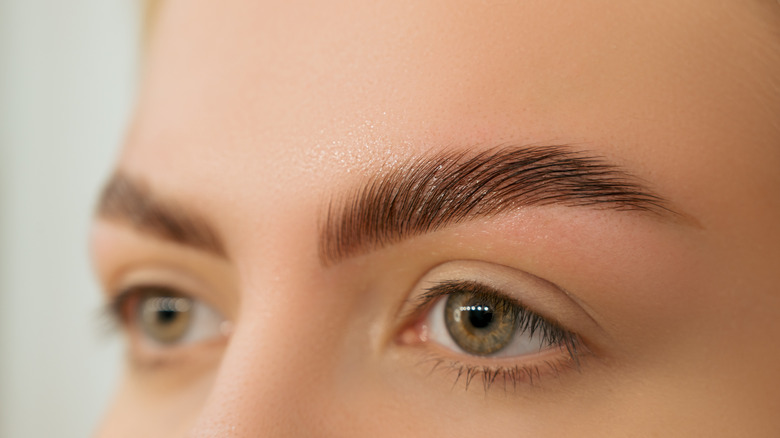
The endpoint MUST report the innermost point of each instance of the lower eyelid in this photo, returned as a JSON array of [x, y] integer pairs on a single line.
[[144, 354], [146, 358], [491, 372], [505, 375]]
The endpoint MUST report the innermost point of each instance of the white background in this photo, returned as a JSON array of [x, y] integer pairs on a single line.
[[67, 73]]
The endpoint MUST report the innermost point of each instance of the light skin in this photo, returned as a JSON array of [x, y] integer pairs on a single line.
[[257, 122]]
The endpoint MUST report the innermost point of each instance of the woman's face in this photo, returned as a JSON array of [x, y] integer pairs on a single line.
[[450, 218]]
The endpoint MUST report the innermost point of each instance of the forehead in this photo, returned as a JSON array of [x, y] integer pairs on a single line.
[[280, 97]]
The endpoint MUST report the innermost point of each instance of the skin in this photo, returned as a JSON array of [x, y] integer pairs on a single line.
[[254, 116]]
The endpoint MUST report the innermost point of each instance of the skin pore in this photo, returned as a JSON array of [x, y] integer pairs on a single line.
[[304, 179]]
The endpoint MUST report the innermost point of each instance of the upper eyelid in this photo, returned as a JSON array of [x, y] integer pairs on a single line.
[[175, 280], [489, 275], [138, 291], [123, 257], [533, 293], [119, 253], [447, 288]]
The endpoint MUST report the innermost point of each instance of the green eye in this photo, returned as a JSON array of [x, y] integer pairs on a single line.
[[479, 325], [165, 319]]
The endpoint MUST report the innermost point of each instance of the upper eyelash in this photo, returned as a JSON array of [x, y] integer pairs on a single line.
[[114, 309]]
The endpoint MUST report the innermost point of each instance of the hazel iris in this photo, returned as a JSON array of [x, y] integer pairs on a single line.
[[165, 319], [481, 325]]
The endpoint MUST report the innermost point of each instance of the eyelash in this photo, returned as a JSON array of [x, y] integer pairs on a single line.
[[553, 335]]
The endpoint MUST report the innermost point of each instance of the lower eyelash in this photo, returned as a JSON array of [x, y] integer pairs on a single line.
[[509, 377]]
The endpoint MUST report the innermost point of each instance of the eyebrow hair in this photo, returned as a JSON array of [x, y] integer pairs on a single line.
[[428, 193], [130, 200]]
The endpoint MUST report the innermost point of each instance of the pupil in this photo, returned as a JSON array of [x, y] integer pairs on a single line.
[[480, 325], [166, 316], [480, 318]]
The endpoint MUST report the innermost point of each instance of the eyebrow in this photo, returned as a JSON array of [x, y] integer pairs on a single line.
[[422, 195], [130, 200], [428, 193]]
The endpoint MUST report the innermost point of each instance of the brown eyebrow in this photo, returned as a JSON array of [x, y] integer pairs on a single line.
[[129, 200], [430, 192]]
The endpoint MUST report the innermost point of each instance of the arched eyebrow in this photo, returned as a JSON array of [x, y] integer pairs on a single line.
[[428, 193], [129, 200]]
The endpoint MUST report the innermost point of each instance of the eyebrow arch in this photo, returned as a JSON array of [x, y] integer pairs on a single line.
[[428, 193], [129, 200]]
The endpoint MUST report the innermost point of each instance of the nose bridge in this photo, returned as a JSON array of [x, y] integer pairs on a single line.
[[278, 367], [270, 377], [253, 394]]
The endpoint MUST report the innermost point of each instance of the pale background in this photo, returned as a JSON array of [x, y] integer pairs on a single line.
[[67, 73]]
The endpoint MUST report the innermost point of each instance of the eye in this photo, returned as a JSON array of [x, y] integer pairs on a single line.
[[161, 317], [470, 328], [475, 319]]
